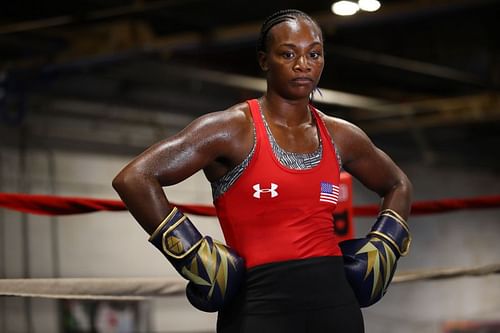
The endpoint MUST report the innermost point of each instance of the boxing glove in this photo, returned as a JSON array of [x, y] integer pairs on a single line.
[[370, 262], [214, 271]]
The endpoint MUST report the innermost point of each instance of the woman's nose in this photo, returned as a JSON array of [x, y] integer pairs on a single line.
[[302, 64]]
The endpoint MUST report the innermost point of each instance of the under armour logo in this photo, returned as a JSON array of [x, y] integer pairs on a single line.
[[259, 190]]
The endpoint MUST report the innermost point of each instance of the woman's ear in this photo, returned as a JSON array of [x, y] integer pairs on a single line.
[[262, 57]]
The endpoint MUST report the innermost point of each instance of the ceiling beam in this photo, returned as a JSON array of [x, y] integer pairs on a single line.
[[136, 37], [388, 11], [454, 111], [327, 96], [408, 65], [91, 16]]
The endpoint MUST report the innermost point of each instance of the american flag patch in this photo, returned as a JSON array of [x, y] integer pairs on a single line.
[[329, 193]]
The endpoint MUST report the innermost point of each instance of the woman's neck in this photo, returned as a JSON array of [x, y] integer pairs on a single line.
[[284, 112]]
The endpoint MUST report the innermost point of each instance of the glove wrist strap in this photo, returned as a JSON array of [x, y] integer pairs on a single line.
[[176, 237], [392, 228]]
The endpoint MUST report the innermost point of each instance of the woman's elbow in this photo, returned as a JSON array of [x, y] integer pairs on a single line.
[[125, 179], [119, 182]]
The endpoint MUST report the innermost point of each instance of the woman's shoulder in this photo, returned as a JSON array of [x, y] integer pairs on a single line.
[[228, 130], [223, 123], [237, 115]]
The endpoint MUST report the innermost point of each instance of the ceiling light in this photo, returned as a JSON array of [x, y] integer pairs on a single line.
[[369, 5], [345, 8]]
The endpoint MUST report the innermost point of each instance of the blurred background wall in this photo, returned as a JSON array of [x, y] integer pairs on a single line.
[[83, 89]]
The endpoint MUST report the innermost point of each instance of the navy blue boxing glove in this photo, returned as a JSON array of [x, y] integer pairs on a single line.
[[214, 271], [370, 262]]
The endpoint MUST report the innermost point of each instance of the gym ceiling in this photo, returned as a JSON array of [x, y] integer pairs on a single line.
[[423, 73]]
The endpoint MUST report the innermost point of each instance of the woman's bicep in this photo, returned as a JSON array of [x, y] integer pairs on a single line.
[[176, 158], [375, 170], [366, 162]]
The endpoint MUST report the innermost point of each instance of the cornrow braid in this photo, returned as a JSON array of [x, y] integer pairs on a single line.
[[276, 18]]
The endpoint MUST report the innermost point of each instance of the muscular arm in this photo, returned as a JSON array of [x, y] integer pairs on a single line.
[[372, 167], [212, 142]]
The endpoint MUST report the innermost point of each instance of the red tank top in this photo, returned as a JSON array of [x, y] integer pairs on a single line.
[[273, 213]]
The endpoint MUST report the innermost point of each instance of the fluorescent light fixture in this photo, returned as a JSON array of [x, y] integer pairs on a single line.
[[369, 5], [345, 8]]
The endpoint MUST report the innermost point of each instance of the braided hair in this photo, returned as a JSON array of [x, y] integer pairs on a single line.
[[276, 18]]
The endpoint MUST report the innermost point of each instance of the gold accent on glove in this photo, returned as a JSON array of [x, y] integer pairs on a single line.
[[395, 215], [405, 244], [217, 274], [378, 263], [165, 221], [172, 246]]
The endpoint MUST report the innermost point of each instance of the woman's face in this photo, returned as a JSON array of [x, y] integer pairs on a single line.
[[294, 59]]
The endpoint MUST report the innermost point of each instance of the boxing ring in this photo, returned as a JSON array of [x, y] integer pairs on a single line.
[[144, 288]]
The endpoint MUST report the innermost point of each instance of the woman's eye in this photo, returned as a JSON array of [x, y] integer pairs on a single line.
[[315, 55], [288, 55]]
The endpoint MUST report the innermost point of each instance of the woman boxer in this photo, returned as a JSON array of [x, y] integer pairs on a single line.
[[274, 166]]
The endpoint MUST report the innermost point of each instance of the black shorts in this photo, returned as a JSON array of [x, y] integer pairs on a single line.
[[299, 296]]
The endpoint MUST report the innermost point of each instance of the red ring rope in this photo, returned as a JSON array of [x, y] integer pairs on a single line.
[[58, 205]]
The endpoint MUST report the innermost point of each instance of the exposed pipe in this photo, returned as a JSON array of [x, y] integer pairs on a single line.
[[57, 21], [408, 65], [329, 96], [395, 12]]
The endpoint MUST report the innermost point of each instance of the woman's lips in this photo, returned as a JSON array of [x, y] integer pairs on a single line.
[[302, 80]]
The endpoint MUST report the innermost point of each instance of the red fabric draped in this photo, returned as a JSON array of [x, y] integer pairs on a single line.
[[437, 206], [59, 205]]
